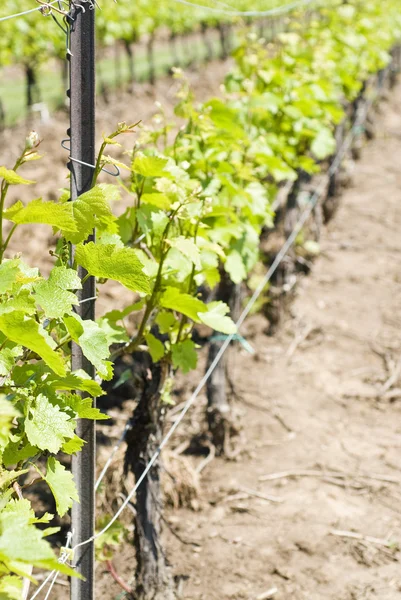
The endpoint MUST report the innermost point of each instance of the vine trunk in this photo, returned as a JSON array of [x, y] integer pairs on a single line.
[[153, 578], [220, 415]]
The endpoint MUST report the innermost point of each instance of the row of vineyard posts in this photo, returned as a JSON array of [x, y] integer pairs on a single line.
[[201, 217], [138, 30]]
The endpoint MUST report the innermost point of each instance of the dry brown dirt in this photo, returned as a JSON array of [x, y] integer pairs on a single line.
[[322, 397]]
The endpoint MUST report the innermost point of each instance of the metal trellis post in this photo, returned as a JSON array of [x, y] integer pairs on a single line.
[[82, 133]]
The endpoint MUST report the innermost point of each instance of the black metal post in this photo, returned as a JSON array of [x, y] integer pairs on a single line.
[[82, 134]]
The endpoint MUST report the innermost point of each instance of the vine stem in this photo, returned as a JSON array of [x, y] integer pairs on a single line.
[[184, 319], [66, 340], [5, 245], [134, 343], [26, 581], [3, 194], [139, 193], [117, 578]]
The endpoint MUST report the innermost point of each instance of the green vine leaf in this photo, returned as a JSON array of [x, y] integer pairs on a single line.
[[110, 262], [7, 359], [82, 407], [216, 319], [47, 426], [184, 303], [166, 321], [25, 331], [188, 248], [9, 270], [156, 199], [73, 445], [8, 412], [184, 355], [92, 340], [14, 452], [22, 544], [39, 211], [156, 347], [61, 483], [235, 267], [7, 477], [76, 381], [90, 210], [324, 144], [150, 166], [12, 178], [22, 301], [10, 587], [53, 295]]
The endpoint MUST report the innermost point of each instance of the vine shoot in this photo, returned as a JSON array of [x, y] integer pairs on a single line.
[[170, 173]]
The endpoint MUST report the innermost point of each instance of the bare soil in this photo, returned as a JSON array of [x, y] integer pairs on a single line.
[[320, 401]]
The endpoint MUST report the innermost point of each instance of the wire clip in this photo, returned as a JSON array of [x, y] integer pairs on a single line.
[[115, 173]]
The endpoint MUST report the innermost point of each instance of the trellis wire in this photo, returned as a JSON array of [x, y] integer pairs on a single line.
[[62, 560], [360, 118], [113, 452], [48, 5], [279, 10]]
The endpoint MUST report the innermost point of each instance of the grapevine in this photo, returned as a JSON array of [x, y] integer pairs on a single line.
[[197, 204]]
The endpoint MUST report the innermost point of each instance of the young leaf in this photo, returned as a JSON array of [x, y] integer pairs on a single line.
[[156, 199], [53, 295], [39, 211], [7, 359], [25, 331], [115, 334], [216, 319], [90, 210], [184, 355], [118, 315], [277, 167], [22, 544], [188, 248], [82, 407], [92, 340], [10, 587], [235, 267], [62, 485], [7, 414], [14, 452], [113, 537], [12, 178], [73, 445], [183, 303], [120, 264], [73, 381], [9, 270], [22, 301], [47, 426], [165, 320], [150, 166], [156, 347], [7, 477], [324, 144], [24, 510]]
